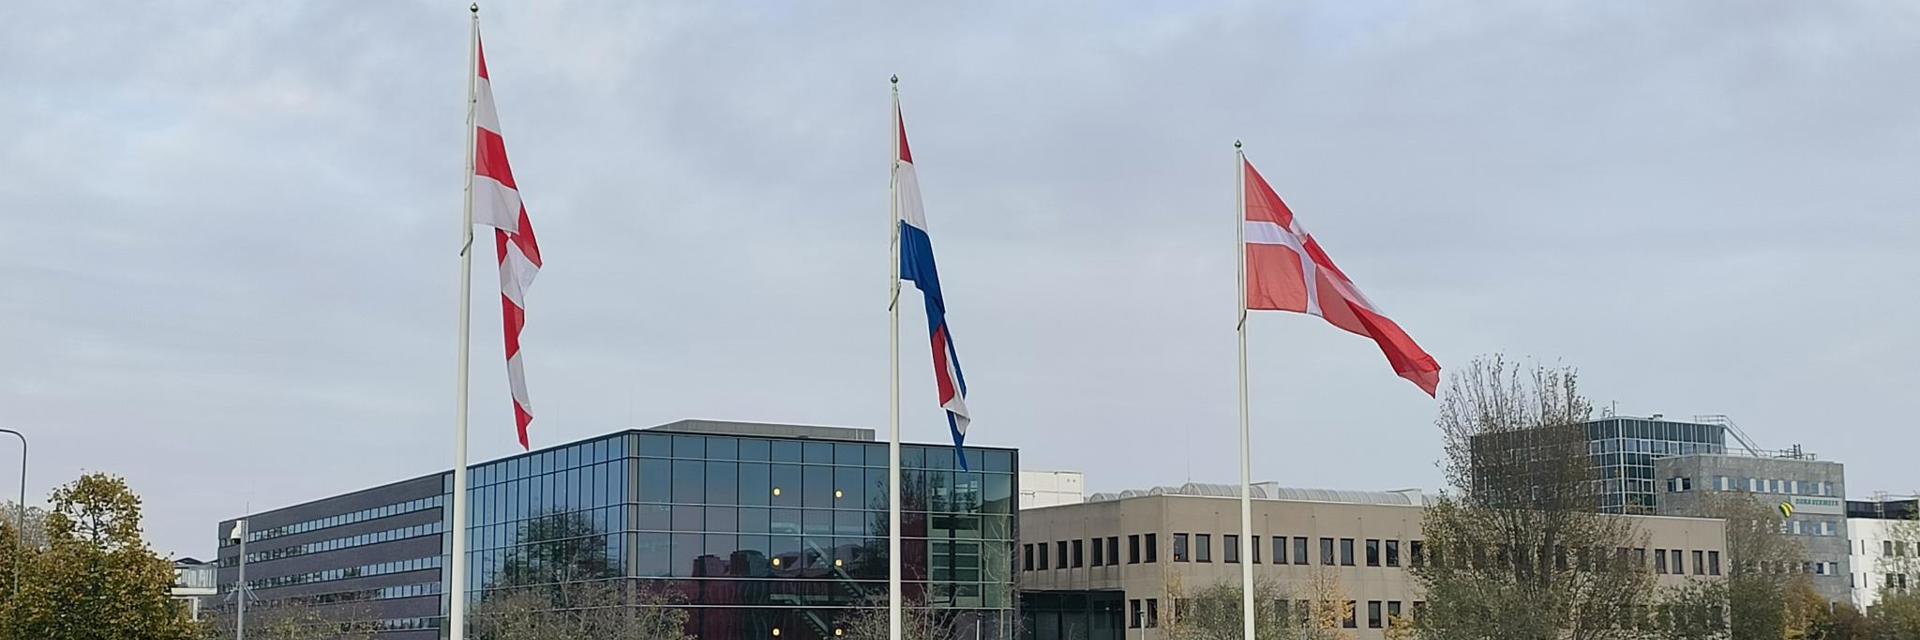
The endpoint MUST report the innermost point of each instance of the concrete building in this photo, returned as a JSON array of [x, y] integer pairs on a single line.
[[1881, 538], [765, 530], [1813, 490], [193, 583], [1049, 488], [1110, 568]]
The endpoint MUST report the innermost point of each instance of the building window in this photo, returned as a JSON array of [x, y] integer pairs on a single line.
[[1346, 552], [1133, 549], [1179, 547], [1660, 561], [1678, 565], [1203, 547], [1062, 547], [1393, 553], [1230, 547], [1135, 615], [1393, 611], [1153, 612], [1373, 614], [1256, 549], [1113, 549], [1042, 564], [1099, 553], [1419, 609], [1886, 547], [1302, 612], [1326, 551], [1299, 550], [1153, 552], [1349, 621], [1079, 555], [1373, 553], [1416, 552], [1279, 549], [1027, 551], [1699, 563]]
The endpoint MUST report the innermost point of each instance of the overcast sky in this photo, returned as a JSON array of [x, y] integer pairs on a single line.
[[231, 229]]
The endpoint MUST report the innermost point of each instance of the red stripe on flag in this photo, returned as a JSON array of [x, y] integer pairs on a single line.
[[941, 375], [490, 157], [520, 421], [513, 320], [900, 122], [481, 52]]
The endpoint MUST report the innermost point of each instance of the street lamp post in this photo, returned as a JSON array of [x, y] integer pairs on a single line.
[[20, 523]]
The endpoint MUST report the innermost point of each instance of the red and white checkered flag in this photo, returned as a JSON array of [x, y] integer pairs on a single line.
[[496, 203]]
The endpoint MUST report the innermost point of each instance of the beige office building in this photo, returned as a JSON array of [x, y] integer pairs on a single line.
[[1105, 569]]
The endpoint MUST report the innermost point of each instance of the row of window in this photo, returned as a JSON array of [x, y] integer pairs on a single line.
[[797, 485], [549, 461], [585, 487], [1673, 562], [430, 502], [820, 521], [1071, 554], [1380, 613], [1757, 485], [1895, 548], [334, 544], [694, 447], [357, 595], [377, 569]]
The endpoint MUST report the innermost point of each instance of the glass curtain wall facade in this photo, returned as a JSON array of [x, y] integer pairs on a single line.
[[1622, 451], [754, 534]]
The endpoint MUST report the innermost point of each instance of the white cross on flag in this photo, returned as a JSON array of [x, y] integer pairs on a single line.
[[1287, 271]]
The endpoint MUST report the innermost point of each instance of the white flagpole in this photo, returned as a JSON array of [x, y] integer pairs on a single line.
[[894, 560], [1246, 457], [457, 552]]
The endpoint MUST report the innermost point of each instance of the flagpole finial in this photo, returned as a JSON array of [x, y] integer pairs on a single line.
[[1236, 144], [895, 79], [475, 8]]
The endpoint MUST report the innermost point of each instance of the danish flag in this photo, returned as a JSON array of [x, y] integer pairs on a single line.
[[1288, 271], [496, 203]]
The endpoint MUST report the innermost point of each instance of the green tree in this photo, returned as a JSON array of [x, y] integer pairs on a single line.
[[1896, 616], [1214, 612], [293, 619], [96, 579], [1516, 548], [920, 620], [615, 610], [560, 583], [1847, 623], [1694, 611], [1760, 572]]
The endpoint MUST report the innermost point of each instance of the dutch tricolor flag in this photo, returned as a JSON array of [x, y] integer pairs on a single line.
[[916, 265]]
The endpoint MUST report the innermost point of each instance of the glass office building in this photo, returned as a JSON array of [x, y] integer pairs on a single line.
[[758, 531], [1623, 450], [1620, 452]]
